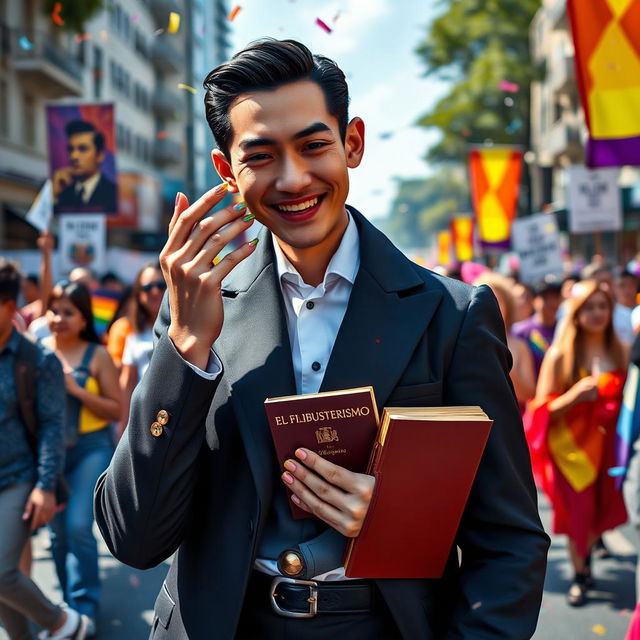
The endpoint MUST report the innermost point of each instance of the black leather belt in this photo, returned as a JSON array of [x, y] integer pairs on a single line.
[[294, 598]]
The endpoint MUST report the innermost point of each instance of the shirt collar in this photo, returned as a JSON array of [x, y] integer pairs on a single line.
[[344, 262], [89, 185]]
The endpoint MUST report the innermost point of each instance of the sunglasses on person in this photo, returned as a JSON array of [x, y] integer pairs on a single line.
[[160, 284]]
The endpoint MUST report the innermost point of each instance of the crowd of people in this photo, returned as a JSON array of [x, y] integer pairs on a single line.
[[72, 386], [572, 341]]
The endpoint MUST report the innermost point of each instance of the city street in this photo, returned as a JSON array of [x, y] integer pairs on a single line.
[[129, 594]]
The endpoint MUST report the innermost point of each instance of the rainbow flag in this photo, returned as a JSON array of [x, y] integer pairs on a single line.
[[495, 181], [606, 37], [628, 427], [444, 247], [104, 305], [462, 235]]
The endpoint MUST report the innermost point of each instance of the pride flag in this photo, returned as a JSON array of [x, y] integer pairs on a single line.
[[444, 247], [104, 305], [495, 180], [606, 37], [462, 235], [628, 427]]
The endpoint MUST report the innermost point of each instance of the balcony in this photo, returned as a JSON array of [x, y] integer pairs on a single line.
[[167, 104], [162, 8], [562, 75], [167, 151], [563, 138], [46, 67], [165, 56]]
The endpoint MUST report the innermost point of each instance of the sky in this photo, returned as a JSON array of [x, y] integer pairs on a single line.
[[373, 42]]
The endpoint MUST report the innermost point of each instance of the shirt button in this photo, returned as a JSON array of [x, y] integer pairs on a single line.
[[310, 304], [316, 366]]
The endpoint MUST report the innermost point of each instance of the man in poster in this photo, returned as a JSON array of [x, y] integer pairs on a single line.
[[81, 185]]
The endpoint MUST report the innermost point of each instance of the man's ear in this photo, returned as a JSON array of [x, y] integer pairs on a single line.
[[223, 167], [354, 142]]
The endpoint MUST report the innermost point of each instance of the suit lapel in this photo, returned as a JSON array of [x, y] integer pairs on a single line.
[[254, 348], [388, 312]]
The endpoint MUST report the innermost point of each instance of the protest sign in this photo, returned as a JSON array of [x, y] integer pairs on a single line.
[[83, 242], [537, 242]]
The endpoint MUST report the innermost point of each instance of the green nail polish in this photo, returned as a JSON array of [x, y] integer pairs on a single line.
[[254, 241], [240, 206], [248, 217]]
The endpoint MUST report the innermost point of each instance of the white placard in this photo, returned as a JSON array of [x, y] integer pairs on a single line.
[[83, 241], [39, 215], [594, 199], [537, 242]]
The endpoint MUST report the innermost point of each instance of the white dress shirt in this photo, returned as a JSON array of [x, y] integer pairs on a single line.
[[88, 187], [314, 315]]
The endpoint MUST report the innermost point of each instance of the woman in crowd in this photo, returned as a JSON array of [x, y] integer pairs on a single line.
[[571, 428], [93, 401], [146, 297], [522, 372]]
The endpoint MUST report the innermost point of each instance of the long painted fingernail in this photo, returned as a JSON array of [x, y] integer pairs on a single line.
[[177, 198], [249, 217], [287, 477], [240, 206], [221, 188], [295, 498], [301, 453], [291, 465], [254, 241]]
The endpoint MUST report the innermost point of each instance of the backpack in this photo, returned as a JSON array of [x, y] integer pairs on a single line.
[[26, 379]]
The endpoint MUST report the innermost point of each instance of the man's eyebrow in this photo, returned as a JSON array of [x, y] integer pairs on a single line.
[[251, 143]]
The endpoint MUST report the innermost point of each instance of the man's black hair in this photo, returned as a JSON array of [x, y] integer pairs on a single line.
[[268, 64], [10, 279], [82, 126]]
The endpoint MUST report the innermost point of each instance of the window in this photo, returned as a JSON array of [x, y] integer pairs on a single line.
[[97, 72], [81, 56], [29, 121]]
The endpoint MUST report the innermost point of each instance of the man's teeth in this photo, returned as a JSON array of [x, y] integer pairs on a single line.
[[298, 207]]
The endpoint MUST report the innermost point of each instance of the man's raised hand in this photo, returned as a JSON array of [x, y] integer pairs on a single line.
[[193, 281]]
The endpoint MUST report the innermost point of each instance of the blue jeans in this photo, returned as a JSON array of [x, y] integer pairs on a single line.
[[74, 547]]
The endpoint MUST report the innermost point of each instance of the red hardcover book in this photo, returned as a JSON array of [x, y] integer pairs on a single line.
[[341, 426], [424, 461]]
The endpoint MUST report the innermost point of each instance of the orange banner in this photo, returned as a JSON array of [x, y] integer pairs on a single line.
[[462, 236], [495, 181], [444, 247]]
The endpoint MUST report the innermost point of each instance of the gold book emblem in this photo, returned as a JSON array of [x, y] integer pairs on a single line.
[[325, 435]]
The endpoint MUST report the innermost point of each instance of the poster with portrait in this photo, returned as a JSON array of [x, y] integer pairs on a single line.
[[82, 158]]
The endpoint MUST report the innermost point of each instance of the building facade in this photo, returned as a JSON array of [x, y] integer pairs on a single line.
[[126, 57]]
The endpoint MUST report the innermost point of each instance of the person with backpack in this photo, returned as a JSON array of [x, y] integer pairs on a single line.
[[92, 402], [31, 458]]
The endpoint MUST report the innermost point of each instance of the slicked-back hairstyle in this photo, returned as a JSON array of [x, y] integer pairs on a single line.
[[82, 126], [265, 65]]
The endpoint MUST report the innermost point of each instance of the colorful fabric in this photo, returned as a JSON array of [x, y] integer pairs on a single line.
[[537, 336], [606, 36], [444, 247], [104, 305], [495, 181], [571, 458], [628, 426], [462, 235], [117, 338], [89, 421]]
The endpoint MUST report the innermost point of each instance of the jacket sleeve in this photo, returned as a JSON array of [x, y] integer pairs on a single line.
[[502, 542], [142, 501]]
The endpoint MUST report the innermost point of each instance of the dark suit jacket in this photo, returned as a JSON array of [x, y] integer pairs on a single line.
[[205, 486], [102, 200]]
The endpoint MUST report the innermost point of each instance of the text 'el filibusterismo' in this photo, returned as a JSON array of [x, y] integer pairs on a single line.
[[318, 416]]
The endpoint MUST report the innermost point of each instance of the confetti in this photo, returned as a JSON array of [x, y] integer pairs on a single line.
[[134, 17], [377, 340], [323, 25], [161, 135], [385, 135], [510, 87], [104, 36], [599, 630], [616, 472], [158, 32], [187, 87], [55, 14], [80, 37], [134, 581], [476, 605], [174, 22], [335, 18], [508, 101], [234, 12], [25, 43]]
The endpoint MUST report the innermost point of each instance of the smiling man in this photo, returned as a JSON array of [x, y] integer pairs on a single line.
[[324, 301]]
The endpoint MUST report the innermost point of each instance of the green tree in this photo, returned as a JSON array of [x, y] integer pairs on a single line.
[[74, 13], [424, 205], [477, 44]]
